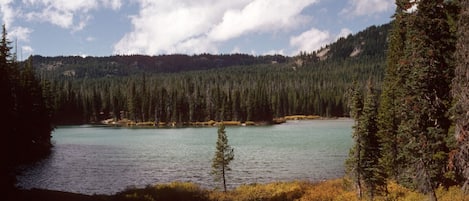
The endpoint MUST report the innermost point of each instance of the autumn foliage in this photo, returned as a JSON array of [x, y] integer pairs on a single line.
[[333, 190]]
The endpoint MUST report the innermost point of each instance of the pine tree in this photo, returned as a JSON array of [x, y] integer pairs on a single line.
[[224, 154], [460, 93]]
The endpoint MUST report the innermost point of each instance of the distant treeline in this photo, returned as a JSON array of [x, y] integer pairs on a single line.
[[250, 93], [182, 88]]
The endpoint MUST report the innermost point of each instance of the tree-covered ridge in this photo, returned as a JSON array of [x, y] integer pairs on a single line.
[[255, 89], [95, 67], [245, 93], [370, 42]]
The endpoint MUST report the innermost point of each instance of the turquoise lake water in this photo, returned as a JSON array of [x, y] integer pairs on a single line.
[[104, 160]]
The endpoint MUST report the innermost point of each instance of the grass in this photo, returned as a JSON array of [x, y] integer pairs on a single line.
[[330, 190]]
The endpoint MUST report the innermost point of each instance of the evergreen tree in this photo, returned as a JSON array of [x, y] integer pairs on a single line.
[[132, 102], [363, 163], [32, 108], [372, 172], [7, 117], [424, 124], [389, 108], [224, 154], [460, 93], [25, 118], [353, 163]]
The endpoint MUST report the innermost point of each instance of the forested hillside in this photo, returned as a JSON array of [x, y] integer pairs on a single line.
[[182, 89], [96, 67]]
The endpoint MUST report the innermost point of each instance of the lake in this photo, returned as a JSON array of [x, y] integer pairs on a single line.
[[105, 160]]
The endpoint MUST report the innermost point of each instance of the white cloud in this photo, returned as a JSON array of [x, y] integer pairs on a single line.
[[90, 39], [368, 7], [114, 4], [67, 14], [20, 33], [311, 40], [27, 49], [162, 25], [62, 13], [274, 52], [187, 26], [8, 14], [196, 46], [259, 15], [344, 33]]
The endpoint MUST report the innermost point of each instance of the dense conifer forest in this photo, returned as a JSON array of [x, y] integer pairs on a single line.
[[180, 89]]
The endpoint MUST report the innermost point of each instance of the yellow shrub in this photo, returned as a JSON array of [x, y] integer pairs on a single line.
[[278, 191], [453, 193], [329, 190]]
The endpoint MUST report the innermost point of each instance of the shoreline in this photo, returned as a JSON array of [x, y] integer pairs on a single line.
[[280, 120]]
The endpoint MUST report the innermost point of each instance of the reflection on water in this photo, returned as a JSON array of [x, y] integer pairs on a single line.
[[101, 160]]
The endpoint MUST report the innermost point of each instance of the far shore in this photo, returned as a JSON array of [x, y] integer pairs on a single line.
[[211, 123]]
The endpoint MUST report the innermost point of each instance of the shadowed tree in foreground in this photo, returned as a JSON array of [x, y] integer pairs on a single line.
[[25, 114]]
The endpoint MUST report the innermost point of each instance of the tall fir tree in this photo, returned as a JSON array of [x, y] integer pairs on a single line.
[[25, 120], [7, 118], [372, 172], [363, 164], [389, 108], [426, 99], [460, 93], [353, 163], [224, 154]]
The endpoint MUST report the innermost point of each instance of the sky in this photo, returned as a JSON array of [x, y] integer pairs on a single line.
[[156, 27]]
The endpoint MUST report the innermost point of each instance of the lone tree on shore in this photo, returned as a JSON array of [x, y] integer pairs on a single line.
[[224, 154]]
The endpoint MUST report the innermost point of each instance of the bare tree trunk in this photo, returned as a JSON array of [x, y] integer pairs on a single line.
[[224, 179]]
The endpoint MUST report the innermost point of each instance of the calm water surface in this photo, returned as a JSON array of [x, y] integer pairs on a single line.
[[103, 160]]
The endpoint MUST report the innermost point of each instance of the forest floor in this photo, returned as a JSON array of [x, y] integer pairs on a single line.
[[336, 189]]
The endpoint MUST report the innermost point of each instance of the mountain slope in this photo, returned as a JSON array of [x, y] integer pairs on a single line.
[[369, 43], [181, 89]]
